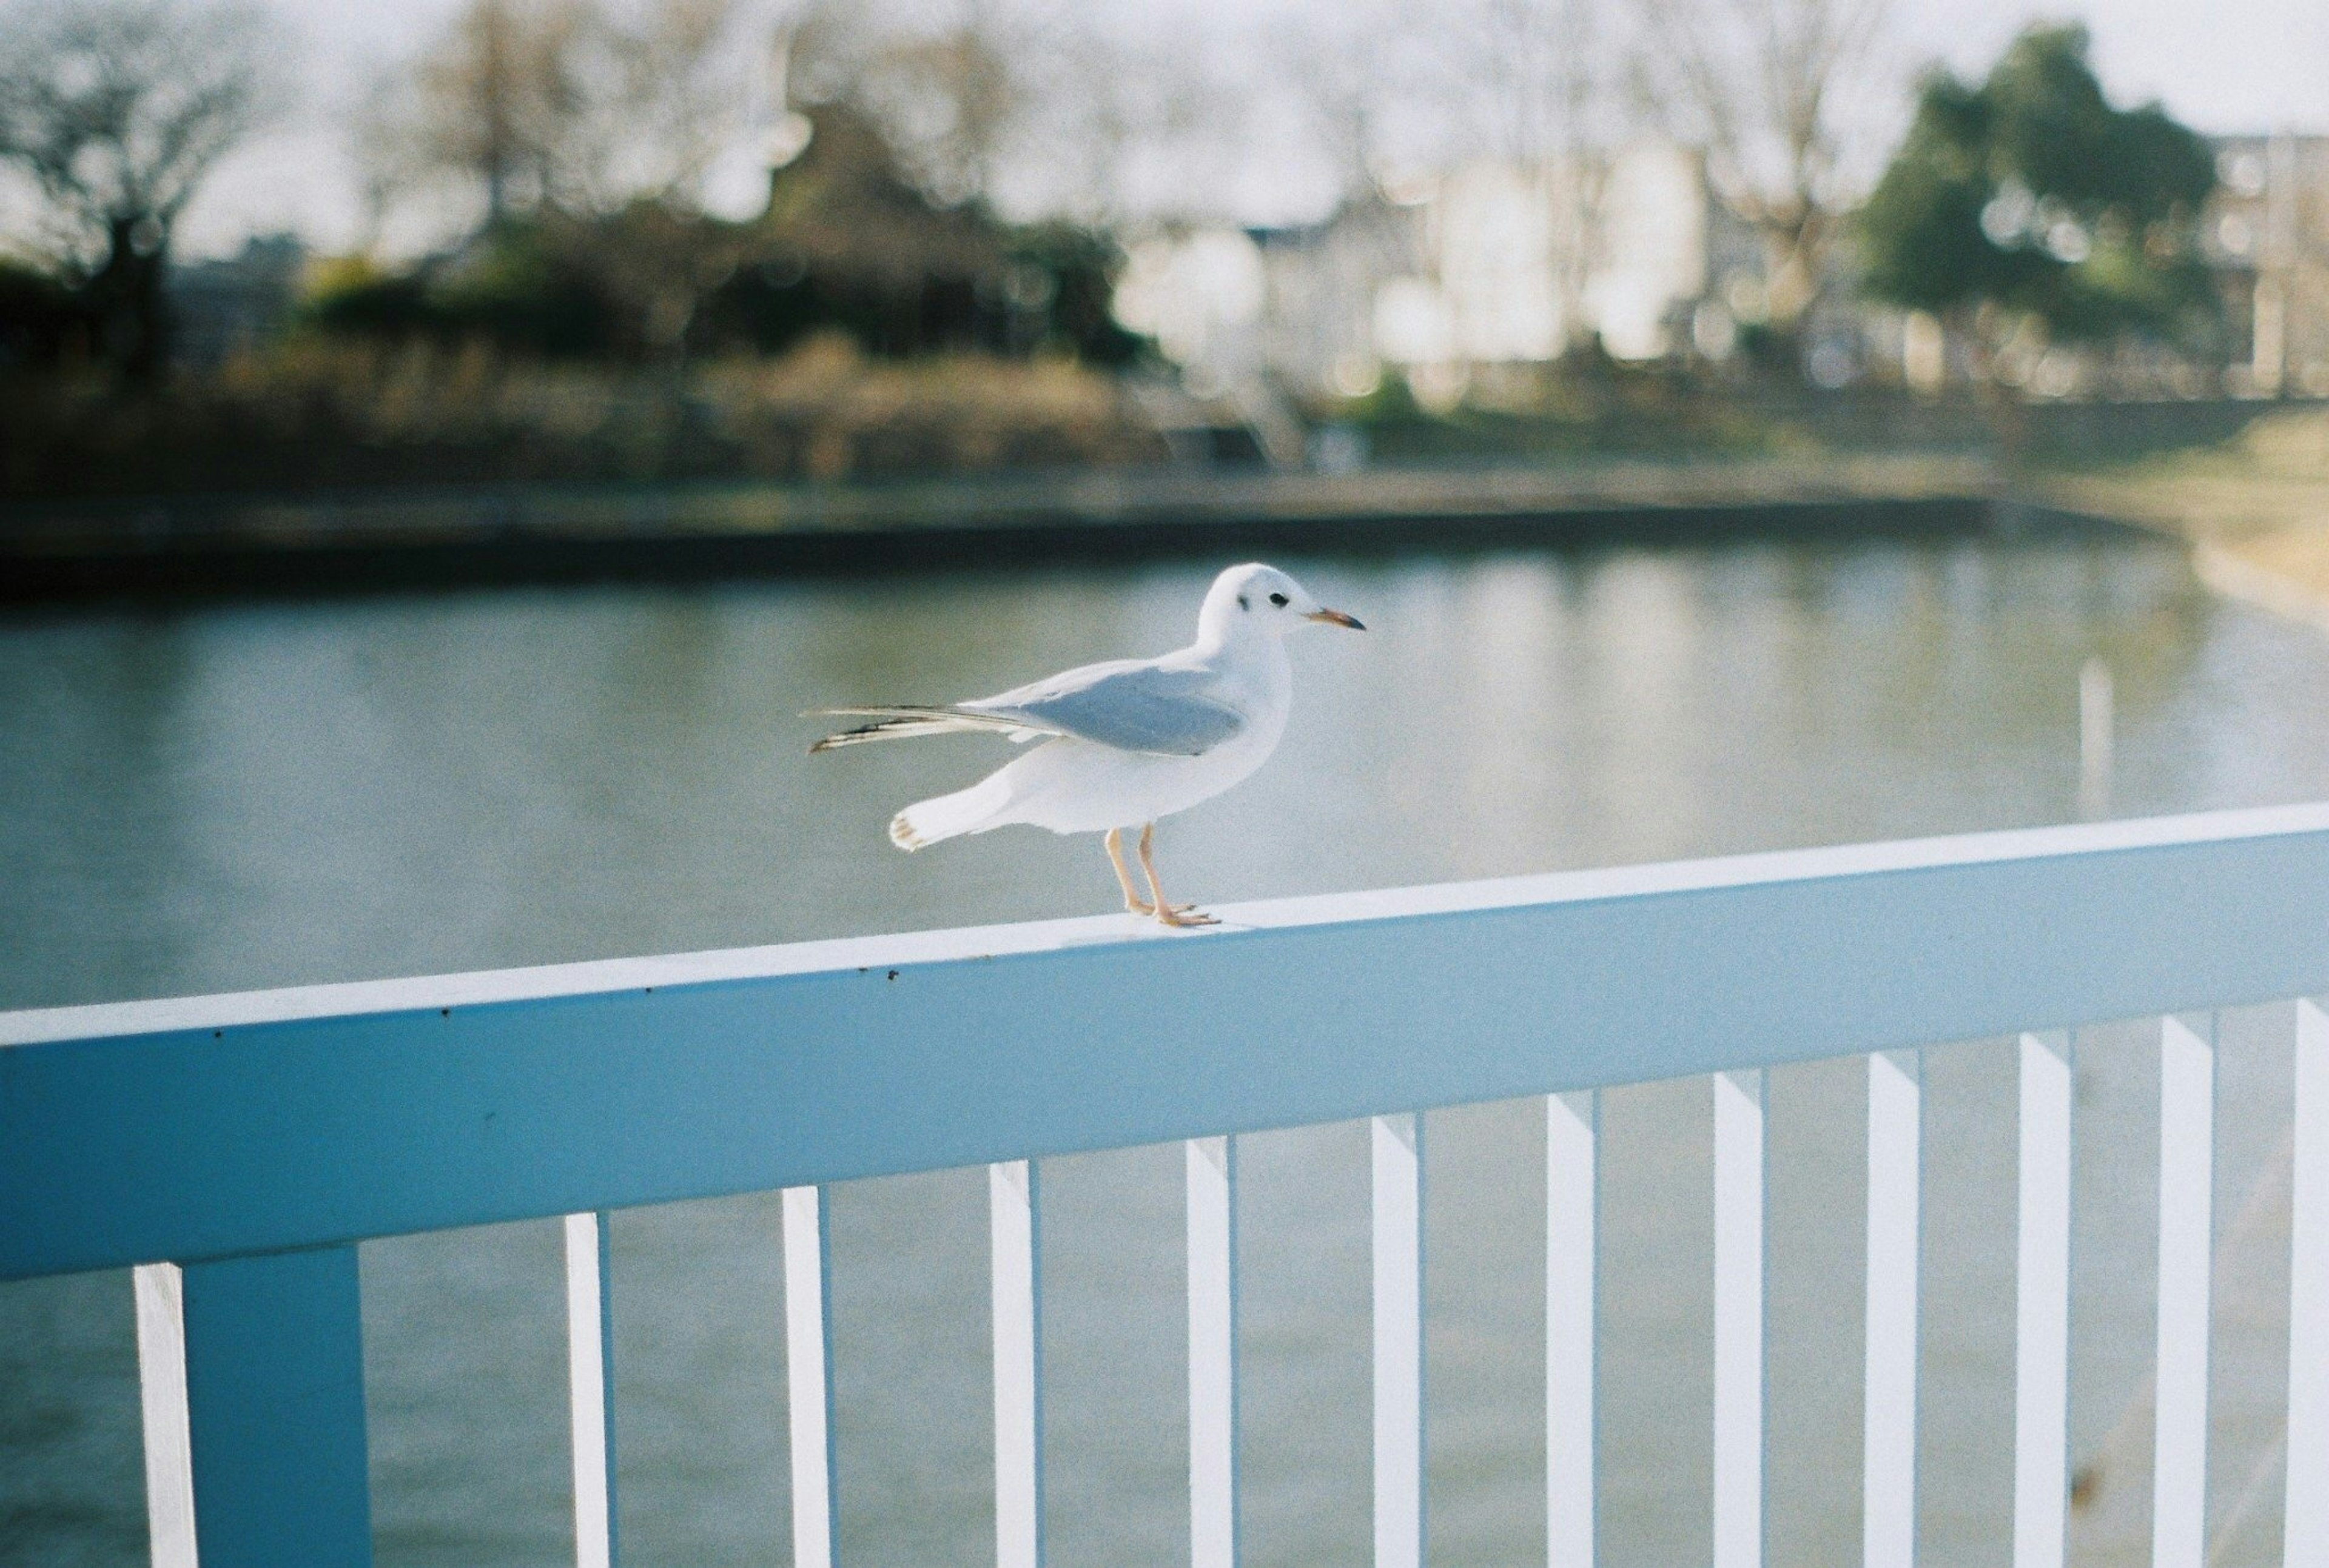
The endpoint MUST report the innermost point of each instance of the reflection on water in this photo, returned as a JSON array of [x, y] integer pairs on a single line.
[[261, 795]]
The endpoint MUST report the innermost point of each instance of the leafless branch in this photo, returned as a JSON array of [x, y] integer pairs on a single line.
[[1761, 84], [116, 108]]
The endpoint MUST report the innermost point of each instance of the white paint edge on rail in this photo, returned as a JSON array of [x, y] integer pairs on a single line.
[[605, 976], [1888, 1424], [2187, 1109]]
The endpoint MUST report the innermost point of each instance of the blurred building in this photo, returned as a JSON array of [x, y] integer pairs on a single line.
[[2267, 239], [1460, 280], [231, 304], [1445, 278], [1321, 292]]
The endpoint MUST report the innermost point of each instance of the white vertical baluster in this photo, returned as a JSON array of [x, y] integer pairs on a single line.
[[2042, 1355], [1014, 1204], [2187, 1117], [1889, 1428], [1398, 1341], [2304, 1531], [809, 1392], [162, 1395], [1572, 1125], [1738, 1319], [589, 1361], [1212, 1352]]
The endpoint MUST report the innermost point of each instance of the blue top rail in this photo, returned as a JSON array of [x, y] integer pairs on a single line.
[[222, 1126]]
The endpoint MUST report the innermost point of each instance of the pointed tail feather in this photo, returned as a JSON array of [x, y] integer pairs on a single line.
[[970, 811], [898, 723]]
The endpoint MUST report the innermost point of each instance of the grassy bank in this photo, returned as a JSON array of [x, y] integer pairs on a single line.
[[2256, 508], [316, 416]]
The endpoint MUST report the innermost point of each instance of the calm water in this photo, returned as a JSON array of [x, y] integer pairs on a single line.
[[234, 797]]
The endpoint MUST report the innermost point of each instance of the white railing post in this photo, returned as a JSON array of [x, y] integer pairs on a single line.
[[591, 1385], [1014, 1204], [2041, 1337], [1398, 1142], [160, 1289], [2304, 1529], [1888, 1471], [1572, 1131], [2187, 1117], [808, 1378], [1212, 1352], [1738, 1319]]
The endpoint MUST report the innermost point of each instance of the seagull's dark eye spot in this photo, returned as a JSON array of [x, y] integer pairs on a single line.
[[1277, 599], [1243, 604]]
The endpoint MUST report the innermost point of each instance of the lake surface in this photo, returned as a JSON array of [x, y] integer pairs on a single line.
[[235, 796]]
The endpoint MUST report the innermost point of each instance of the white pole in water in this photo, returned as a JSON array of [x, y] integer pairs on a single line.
[[2095, 726]]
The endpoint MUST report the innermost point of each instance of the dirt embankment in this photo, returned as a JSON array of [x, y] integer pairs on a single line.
[[2256, 509]]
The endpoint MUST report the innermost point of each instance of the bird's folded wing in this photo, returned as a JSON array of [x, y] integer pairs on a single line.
[[1132, 704], [897, 723]]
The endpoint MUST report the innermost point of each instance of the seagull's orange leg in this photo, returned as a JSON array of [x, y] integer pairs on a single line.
[[1169, 913], [1132, 900]]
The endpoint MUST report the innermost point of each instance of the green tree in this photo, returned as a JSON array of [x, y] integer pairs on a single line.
[[2029, 201]]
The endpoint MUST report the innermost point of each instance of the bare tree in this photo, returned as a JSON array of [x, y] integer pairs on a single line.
[[115, 110], [488, 96], [953, 93], [1115, 107], [1035, 108], [653, 94], [597, 122], [1541, 76], [1764, 86], [573, 106], [1344, 65]]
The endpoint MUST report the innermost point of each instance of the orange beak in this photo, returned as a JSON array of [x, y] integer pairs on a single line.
[[1337, 618]]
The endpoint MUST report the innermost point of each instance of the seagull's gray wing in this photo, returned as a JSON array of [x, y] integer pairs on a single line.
[[1130, 704]]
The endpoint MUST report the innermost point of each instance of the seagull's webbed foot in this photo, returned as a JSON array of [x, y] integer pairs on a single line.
[[1184, 916]]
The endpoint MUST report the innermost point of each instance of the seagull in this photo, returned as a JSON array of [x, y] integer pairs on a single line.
[[1123, 743]]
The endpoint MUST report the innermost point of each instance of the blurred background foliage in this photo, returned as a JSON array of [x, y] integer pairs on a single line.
[[2030, 195], [847, 245], [618, 238]]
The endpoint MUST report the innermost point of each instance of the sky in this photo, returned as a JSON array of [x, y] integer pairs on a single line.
[[2223, 66]]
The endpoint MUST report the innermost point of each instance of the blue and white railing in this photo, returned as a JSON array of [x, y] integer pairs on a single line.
[[252, 1140]]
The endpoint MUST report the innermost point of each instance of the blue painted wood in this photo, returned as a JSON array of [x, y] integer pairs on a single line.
[[275, 1409], [227, 1125]]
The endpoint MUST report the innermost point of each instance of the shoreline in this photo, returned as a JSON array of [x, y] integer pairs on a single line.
[[338, 545], [2257, 522]]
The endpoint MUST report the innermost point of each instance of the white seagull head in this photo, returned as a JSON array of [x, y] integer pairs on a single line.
[[1256, 600]]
